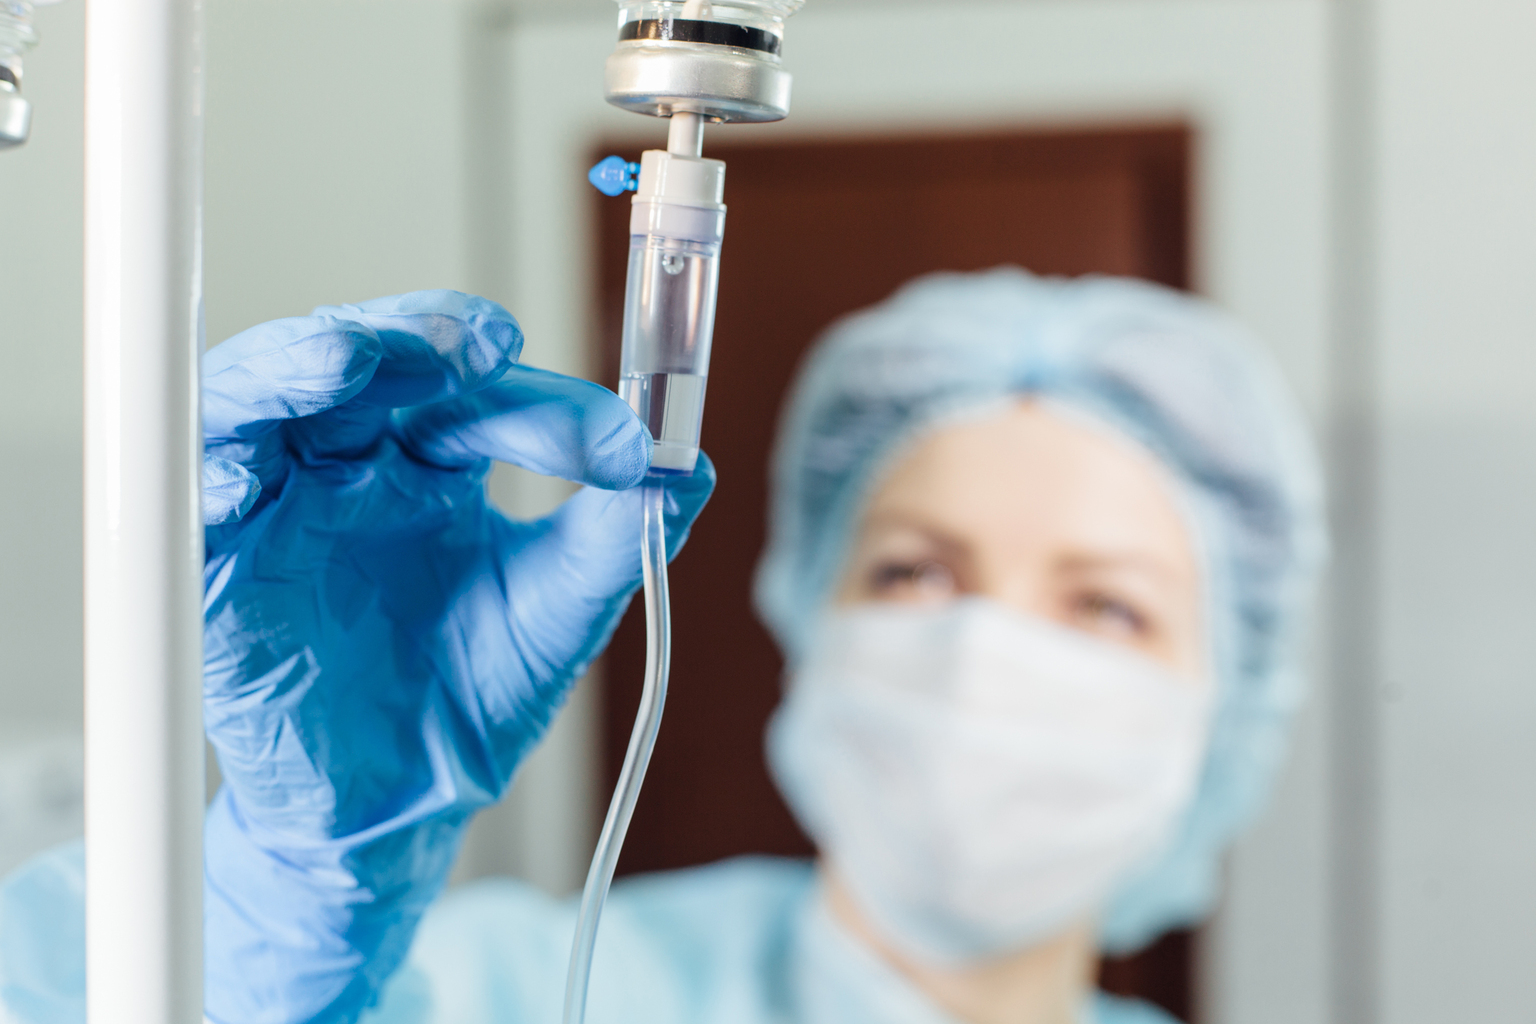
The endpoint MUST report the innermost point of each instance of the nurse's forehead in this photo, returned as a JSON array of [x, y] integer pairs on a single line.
[[1028, 467]]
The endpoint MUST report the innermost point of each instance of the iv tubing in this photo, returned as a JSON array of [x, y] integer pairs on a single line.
[[642, 740]]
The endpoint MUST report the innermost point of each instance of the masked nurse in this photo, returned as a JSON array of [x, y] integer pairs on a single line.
[[1040, 562]]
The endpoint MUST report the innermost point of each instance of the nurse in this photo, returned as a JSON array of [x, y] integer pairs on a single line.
[[1040, 562]]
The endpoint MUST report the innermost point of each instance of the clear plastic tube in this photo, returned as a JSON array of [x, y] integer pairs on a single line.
[[642, 740]]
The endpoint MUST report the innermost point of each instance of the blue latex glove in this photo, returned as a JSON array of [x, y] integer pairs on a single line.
[[382, 646]]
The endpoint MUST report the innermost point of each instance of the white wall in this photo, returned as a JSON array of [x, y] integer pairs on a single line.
[[335, 155], [40, 401], [1453, 315], [40, 466]]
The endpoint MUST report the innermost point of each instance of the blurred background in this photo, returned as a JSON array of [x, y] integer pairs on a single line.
[[1356, 179]]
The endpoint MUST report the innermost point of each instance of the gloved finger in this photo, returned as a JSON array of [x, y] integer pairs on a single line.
[[436, 344], [229, 491], [266, 456], [543, 421], [345, 432], [575, 579], [282, 370]]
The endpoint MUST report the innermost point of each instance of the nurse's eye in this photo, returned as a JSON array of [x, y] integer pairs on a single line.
[[1109, 616], [912, 581]]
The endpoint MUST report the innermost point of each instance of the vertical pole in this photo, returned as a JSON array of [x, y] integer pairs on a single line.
[[143, 522]]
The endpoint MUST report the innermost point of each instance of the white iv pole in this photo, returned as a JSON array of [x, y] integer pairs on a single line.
[[143, 521]]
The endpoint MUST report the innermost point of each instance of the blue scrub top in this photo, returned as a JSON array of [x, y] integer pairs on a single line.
[[745, 941]]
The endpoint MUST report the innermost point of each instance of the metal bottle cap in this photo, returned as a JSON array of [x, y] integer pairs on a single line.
[[724, 85]]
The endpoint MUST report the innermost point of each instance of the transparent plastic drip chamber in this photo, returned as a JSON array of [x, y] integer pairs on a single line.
[[668, 326], [676, 226]]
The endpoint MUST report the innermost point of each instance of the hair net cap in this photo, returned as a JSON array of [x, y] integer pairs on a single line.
[[1171, 371]]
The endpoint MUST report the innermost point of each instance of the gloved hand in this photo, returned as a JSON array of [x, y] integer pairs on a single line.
[[382, 646]]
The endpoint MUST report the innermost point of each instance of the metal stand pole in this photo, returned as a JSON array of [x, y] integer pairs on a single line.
[[143, 522]]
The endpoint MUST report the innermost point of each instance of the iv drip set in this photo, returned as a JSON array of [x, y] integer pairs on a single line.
[[691, 62]]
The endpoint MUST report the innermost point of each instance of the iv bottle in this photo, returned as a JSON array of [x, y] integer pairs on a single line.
[[17, 36], [762, 15], [676, 225]]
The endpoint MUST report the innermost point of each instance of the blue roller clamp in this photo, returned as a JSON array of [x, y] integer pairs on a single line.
[[613, 174]]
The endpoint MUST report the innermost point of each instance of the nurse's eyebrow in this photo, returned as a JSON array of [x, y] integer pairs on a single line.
[[905, 521]]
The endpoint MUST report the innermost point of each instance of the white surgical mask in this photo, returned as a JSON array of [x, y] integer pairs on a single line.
[[978, 778]]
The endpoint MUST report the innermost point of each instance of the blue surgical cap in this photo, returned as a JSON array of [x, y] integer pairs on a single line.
[[1172, 372]]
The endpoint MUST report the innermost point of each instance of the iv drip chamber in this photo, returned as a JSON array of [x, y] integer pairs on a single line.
[[676, 225]]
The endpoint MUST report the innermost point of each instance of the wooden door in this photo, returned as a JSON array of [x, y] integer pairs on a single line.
[[816, 230]]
